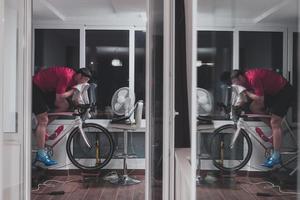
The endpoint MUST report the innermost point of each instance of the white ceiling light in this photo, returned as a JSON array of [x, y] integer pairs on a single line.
[[116, 62], [199, 63]]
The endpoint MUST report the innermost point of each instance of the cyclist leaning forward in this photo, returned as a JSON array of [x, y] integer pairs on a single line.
[[271, 94], [50, 89]]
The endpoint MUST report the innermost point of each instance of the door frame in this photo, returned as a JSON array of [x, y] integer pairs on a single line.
[[27, 101], [21, 139]]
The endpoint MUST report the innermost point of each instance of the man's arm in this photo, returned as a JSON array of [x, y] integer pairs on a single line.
[[61, 102], [258, 99], [66, 94]]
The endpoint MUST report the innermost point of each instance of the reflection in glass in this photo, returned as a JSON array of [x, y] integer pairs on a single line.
[[256, 45], [261, 50], [139, 63], [214, 56], [56, 47], [107, 55], [155, 92]]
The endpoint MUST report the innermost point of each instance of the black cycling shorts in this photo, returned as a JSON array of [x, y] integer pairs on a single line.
[[279, 103], [41, 101]]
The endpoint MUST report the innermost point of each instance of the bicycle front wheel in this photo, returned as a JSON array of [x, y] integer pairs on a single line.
[[225, 156], [100, 153]]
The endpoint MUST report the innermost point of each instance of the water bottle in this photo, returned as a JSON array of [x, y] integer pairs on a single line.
[[57, 131], [263, 136]]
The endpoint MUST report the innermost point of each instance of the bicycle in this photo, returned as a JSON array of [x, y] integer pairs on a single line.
[[89, 146], [231, 147]]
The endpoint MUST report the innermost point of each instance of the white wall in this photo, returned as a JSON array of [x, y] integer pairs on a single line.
[[10, 151], [10, 69], [13, 98]]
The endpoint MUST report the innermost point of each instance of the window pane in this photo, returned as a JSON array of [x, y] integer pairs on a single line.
[[107, 55], [139, 71], [214, 55], [56, 47], [261, 50]]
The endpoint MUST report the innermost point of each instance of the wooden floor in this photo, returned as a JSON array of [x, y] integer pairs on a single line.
[[241, 188], [232, 188], [76, 189]]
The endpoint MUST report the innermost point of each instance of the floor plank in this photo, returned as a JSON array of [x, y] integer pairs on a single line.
[[240, 188]]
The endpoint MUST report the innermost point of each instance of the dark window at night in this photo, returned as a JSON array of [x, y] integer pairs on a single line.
[[261, 50], [107, 55], [56, 47], [140, 62], [214, 56]]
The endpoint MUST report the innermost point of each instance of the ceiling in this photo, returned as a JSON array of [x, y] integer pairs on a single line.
[[210, 12], [218, 12], [88, 10]]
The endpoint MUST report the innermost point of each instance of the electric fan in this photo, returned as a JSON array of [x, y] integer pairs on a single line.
[[204, 102], [204, 106], [122, 102]]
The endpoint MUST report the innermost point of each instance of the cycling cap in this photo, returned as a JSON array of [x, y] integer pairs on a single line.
[[85, 72]]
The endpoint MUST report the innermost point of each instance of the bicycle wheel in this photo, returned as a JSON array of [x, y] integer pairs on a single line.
[[228, 158], [100, 153]]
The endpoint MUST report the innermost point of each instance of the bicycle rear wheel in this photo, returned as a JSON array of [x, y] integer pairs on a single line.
[[100, 153], [228, 158]]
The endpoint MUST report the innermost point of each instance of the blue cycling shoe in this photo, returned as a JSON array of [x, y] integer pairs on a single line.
[[42, 156], [271, 162]]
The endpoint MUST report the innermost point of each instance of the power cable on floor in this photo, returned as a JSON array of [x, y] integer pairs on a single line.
[[268, 194], [48, 183]]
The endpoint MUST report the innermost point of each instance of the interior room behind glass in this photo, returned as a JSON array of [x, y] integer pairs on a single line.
[[242, 35]]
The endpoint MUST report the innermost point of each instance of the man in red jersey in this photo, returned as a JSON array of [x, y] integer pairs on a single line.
[[270, 93], [50, 89]]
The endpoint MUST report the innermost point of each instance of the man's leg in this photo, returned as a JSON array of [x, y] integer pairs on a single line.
[[42, 154], [259, 109], [276, 126], [41, 129], [59, 107], [277, 139], [62, 105], [40, 109]]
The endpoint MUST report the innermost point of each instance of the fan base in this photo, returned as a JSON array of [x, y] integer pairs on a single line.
[[125, 180]]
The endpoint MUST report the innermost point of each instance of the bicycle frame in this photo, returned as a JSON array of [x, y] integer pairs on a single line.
[[242, 124], [77, 122]]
